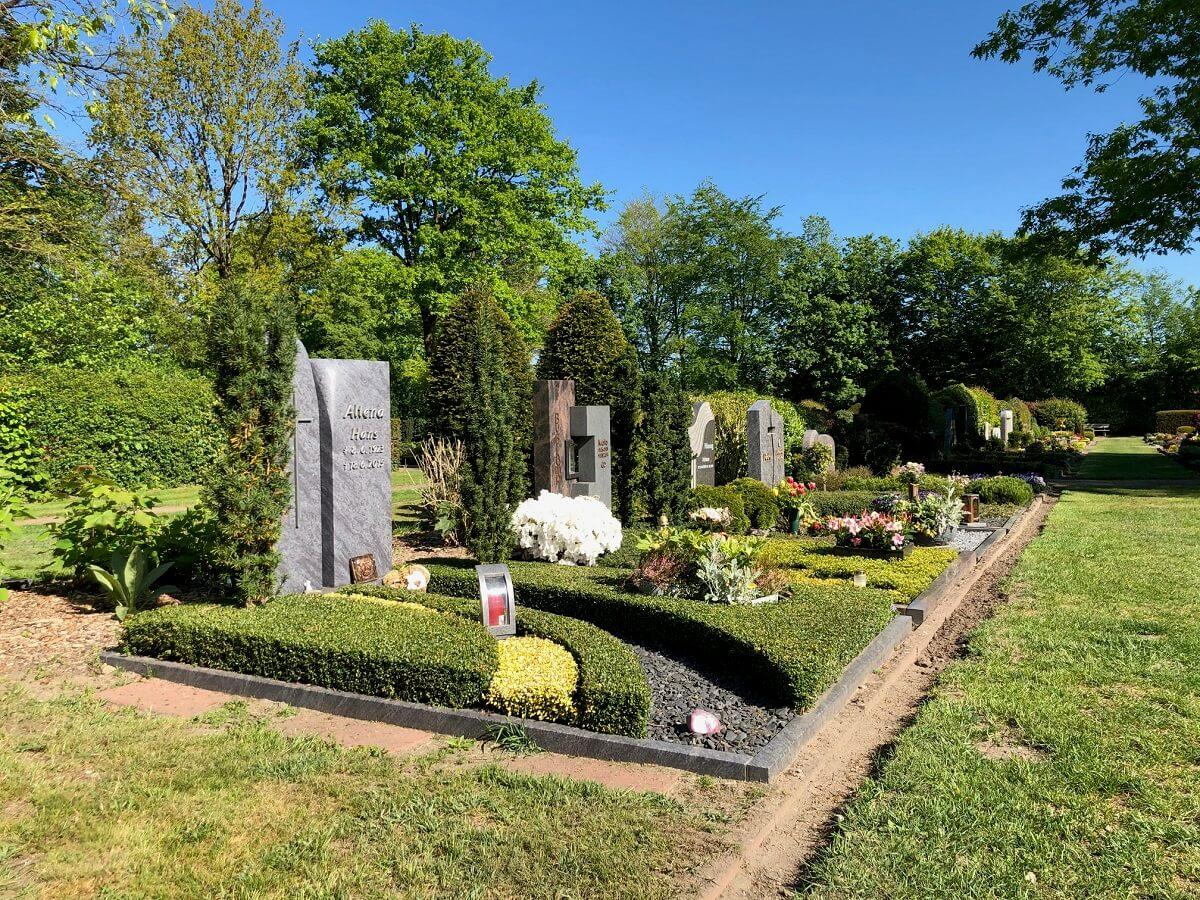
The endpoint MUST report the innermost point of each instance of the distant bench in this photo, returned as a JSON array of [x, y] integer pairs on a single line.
[[1097, 428]]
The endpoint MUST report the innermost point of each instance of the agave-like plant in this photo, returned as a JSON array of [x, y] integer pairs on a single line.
[[129, 582]]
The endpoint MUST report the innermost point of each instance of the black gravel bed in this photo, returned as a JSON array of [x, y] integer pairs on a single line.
[[677, 686]]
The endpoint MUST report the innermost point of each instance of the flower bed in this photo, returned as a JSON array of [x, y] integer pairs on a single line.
[[796, 648], [403, 650]]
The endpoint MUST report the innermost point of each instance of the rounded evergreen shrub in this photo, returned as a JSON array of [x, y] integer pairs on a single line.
[[663, 450], [721, 497], [902, 398], [758, 501], [1057, 413], [139, 427], [1002, 489]]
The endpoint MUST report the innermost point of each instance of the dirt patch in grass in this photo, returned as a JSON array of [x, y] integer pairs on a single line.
[[50, 633]]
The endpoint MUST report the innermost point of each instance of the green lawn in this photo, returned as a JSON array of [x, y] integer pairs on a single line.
[[1060, 758], [1127, 458], [115, 804]]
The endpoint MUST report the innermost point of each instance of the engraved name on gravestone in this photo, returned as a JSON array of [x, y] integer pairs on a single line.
[[342, 463], [703, 437], [764, 443]]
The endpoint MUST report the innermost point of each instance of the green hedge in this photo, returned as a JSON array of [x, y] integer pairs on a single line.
[[1168, 421], [842, 503], [140, 427], [612, 696], [795, 649], [759, 502], [729, 412], [1002, 489], [726, 497], [1055, 413], [980, 405], [380, 650]]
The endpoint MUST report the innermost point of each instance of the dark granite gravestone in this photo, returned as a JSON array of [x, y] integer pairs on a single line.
[[764, 443], [703, 437], [347, 491], [591, 475], [552, 402], [571, 444]]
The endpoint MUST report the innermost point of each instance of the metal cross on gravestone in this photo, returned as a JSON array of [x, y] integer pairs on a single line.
[[300, 534]]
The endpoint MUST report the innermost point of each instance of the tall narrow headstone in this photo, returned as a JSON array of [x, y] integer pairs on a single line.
[[356, 466], [828, 443], [951, 429], [703, 437], [1006, 425], [765, 443], [591, 475], [300, 532], [552, 445]]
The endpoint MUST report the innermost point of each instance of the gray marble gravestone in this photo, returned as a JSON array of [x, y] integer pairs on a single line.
[[571, 444], [1006, 425], [764, 443], [341, 470], [703, 437]]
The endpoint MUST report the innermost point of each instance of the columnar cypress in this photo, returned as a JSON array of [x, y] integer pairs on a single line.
[[663, 450], [586, 343], [477, 391], [252, 348]]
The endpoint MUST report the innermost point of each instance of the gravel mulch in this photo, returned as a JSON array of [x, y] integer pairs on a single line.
[[968, 540], [678, 686]]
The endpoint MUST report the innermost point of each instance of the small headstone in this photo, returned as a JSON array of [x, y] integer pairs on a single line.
[[826, 440], [338, 528], [703, 436], [765, 443], [1006, 425], [591, 475], [572, 452], [810, 438]]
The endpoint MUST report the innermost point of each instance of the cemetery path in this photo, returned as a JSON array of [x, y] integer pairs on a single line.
[[797, 818]]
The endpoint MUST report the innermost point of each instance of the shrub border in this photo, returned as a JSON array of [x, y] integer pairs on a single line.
[[764, 766]]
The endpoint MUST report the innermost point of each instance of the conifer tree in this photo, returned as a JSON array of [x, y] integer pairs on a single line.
[[252, 349], [663, 450]]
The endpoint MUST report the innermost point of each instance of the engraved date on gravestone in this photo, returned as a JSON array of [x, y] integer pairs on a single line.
[[365, 450]]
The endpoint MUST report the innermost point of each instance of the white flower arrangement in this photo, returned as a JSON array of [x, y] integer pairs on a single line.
[[711, 516], [573, 530]]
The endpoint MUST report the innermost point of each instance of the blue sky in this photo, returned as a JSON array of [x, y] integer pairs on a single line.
[[870, 113]]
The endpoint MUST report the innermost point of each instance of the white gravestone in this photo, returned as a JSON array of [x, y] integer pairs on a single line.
[[703, 436]]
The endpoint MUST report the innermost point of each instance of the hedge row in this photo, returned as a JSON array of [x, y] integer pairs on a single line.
[[908, 577], [795, 648], [140, 427], [980, 406], [612, 697], [1168, 421], [1055, 413], [385, 651], [842, 503]]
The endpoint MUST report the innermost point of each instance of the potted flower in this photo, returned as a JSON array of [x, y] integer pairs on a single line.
[[873, 534], [933, 517], [909, 475], [794, 500]]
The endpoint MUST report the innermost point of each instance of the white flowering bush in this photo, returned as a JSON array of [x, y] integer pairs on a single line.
[[566, 529]]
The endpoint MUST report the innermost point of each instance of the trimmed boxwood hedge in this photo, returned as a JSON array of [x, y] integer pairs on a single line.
[[795, 648], [907, 577], [842, 503], [1002, 489], [612, 695], [384, 651]]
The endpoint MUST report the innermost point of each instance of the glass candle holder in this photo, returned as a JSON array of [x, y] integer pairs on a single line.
[[860, 579]]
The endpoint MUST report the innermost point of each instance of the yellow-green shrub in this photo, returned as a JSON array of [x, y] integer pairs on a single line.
[[535, 679], [909, 576]]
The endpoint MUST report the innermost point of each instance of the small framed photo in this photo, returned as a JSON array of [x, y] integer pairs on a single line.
[[497, 604], [362, 569]]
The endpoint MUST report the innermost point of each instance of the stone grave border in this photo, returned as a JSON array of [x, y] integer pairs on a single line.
[[764, 766]]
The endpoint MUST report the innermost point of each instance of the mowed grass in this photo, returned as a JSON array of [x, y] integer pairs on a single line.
[[1061, 758], [116, 804], [27, 552], [1127, 458]]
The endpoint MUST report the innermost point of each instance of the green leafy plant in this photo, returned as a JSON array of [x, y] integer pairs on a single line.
[[724, 574], [441, 461], [760, 503], [129, 580], [933, 514], [102, 519], [11, 509], [512, 738]]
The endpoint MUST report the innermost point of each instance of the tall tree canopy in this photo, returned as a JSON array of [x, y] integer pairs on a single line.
[[1135, 191], [455, 172], [196, 132]]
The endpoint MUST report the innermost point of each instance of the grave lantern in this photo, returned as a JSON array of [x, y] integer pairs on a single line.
[[497, 603]]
